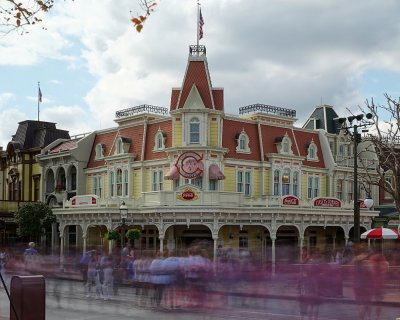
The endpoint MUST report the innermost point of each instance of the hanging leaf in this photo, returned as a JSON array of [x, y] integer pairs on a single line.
[[139, 27], [135, 21]]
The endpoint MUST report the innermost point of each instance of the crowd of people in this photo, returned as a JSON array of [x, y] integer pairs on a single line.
[[193, 279]]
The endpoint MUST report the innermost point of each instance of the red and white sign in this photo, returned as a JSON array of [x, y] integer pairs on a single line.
[[86, 200], [290, 201], [327, 203], [189, 165], [188, 195]]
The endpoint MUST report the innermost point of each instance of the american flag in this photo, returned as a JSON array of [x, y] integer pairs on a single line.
[[40, 95], [201, 23]]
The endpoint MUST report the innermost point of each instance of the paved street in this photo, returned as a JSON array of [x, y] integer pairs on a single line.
[[65, 299]]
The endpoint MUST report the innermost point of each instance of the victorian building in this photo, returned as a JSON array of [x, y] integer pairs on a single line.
[[191, 172], [20, 174]]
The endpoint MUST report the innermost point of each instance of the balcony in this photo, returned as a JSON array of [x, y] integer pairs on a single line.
[[345, 161]]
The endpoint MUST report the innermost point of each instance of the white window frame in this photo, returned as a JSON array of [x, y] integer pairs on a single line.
[[313, 186], [97, 185], [112, 183], [276, 182], [157, 180], [296, 183], [194, 130], [339, 189], [242, 143], [243, 182], [312, 154], [159, 141], [286, 186], [125, 182], [99, 152], [118, 182], [119, 148], [197, 182]]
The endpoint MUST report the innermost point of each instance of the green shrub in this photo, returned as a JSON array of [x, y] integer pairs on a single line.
[[113, 235], [133, 234]]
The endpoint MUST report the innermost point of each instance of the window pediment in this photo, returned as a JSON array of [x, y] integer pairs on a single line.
[[242, 142]]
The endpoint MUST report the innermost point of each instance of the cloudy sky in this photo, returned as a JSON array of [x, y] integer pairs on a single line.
[[290, 53]]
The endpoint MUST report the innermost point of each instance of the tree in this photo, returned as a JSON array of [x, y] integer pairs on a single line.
[[32, 218], [19, 15], [384, 140], [133, 234]]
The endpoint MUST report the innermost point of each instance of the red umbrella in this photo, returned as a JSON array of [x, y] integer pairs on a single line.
[[380, 233]]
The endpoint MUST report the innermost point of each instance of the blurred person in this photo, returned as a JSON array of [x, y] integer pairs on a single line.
[[309, 292], [108, 279], [157, 279], [91, 273], [362, 278], [379, 271], [31, 257]]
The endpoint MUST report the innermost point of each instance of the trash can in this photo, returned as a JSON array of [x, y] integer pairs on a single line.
[[28, 297]]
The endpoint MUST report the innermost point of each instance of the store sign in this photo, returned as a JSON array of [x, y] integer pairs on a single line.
[[188, 195], [189, 165], [327, 203], [290, 201], [84, 201]]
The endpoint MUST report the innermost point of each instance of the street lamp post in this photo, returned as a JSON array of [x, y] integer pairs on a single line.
[[356, 137], [123, 211]]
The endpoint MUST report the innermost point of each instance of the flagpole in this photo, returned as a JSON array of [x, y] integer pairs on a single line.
[[198, 24], [38, 101]]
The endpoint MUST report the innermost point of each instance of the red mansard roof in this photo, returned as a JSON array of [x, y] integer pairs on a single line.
[[234, 127], [152, 129]]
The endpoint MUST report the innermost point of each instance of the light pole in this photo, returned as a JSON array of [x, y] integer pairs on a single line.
[[123, 211], [356, 137]]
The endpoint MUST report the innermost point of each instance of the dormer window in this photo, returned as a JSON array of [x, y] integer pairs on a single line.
[[100, 151], [122, 145], [194, 130], [284, 144], [312, 151], [159, 141], [242, 140]]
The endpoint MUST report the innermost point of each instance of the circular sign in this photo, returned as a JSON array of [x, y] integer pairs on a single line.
[[189, 165]]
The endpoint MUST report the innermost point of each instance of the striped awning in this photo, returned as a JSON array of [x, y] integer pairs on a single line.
[[214, 173], [172, 174]]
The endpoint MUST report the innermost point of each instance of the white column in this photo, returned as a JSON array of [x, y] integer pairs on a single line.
[[301, 249], [62, 251], [161, 246], [273, 256], [84, 243]]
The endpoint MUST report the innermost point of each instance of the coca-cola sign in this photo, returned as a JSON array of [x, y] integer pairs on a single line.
[[327, 203], [188, 195], [290, 201]]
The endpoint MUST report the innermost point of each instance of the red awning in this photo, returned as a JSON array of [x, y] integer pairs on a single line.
[[172, 174], [214, 173]]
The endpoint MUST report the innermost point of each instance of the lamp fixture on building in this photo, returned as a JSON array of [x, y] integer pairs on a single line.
[[123, 211], [352, 129], [369, 202]]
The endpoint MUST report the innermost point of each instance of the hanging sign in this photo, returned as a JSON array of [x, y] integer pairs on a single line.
[[84, 200], [327, 203], [188, 195], [189, 165], [290, 201]]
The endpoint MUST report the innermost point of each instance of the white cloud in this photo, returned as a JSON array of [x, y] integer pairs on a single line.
[[5, 98], [9, 128], [289, 53]]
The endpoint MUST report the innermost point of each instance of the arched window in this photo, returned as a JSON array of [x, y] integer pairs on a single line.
[[112, 184], [119, 182], [119, 148], [277, 179], [242, 143], [285, 145], [312, 151], [295, 183], [194, 130], [159, 140], [286, 182], [99, 151]]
